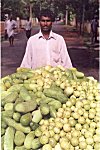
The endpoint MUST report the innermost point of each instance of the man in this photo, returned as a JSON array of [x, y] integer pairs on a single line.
[[11, 25], [46, 47], [94, 30], [28, 27], [6, 35]]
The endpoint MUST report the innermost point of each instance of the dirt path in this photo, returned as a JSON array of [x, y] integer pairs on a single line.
[[81, 57]]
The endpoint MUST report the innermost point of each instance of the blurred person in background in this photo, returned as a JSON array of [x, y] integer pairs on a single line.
[[94, 30], [28, 27], [5, 26], [46, 47], [11, 25]]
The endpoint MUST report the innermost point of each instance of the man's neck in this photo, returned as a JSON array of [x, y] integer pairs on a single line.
[[46, 34]]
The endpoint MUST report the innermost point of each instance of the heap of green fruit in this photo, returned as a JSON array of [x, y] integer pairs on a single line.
[[50, 108]]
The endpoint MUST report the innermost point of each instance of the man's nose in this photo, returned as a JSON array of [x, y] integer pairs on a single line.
[[45, 22]]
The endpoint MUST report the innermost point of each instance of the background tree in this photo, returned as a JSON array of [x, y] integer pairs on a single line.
[[14, 7], [82, 9]]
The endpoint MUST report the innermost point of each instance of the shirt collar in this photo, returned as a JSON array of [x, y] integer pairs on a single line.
[[50, 36]]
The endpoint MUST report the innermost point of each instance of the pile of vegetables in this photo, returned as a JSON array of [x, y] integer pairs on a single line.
[[50, 108]]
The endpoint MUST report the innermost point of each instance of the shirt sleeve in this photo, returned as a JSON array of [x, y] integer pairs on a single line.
[[65, 59], [15, 24], [5, 24], [27, 59]]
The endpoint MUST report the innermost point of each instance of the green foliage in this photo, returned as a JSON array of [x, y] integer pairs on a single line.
[[21, 8], [11, 7]]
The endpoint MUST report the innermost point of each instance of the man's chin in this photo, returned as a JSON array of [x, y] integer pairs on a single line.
[[46, 29]]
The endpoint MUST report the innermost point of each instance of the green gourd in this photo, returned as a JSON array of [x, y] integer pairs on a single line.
[[12, 123], [19, 138], [28, 140], [25, 107], [9, 139]]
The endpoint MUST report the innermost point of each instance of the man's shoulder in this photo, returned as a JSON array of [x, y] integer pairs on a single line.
[[35, 36], [58, 36], [14, 21], [7, 21]]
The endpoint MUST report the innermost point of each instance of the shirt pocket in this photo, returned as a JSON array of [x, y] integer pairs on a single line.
[[56, 56]]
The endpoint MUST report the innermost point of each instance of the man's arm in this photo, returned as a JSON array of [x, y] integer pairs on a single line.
[[65, 59], [15, 24], [27, 59]]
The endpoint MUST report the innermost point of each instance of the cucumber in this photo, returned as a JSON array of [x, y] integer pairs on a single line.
[[20, 148], [28, 140], [8, 84], [24, 94], [3, 87], [18, 100], [56, 104], [4, 94], [19, 138], [69, 74], [56, 88], [29, 74], [27, 85], [16, 116], [10, 98], [3, 124], [7, 113], [12, 123], [44, 108], [34, 126], [38, 132], [2, 142], [37, 116], [79, 75], [52, 112], [26, 119], [9, 106], [13, 75], [36, 143], [25, 107], [9, 139], [46, 100], [19, 76], [20, 69], [54, 94], [2, 131], [17, 81], [15, 88], [6, 78]]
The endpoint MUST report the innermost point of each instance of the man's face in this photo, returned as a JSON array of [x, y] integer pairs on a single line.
[[45, 24]]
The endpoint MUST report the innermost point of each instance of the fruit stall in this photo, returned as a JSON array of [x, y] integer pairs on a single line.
[[50, 108]]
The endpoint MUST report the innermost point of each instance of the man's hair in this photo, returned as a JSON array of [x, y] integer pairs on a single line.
[[46, 13]]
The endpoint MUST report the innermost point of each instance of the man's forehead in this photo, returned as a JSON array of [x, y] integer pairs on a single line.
[[45, 17]]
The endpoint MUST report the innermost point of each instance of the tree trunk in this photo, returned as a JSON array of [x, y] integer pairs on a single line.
[[80, 28], [30, 11], [66, 18], [83, 13], [76, 22]]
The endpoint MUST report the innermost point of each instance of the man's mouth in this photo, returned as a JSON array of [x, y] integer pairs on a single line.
[[45, 27]]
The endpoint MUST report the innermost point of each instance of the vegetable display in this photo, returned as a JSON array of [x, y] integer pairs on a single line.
[[50, 108]]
